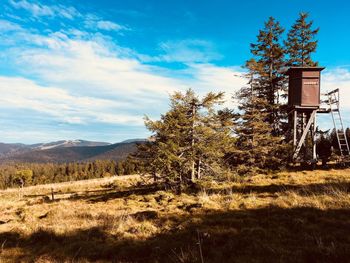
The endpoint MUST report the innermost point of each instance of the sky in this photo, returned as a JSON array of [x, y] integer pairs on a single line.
[[87, 69]]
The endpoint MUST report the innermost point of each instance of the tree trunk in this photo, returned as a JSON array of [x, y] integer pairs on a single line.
[[192, 143], [199, 169]]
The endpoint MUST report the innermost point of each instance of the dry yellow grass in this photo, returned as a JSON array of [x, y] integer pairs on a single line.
[[283, 217]]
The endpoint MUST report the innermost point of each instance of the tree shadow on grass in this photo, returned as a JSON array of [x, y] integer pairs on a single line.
[[270, 234], [140, 190], [302, 189], [103, 195]]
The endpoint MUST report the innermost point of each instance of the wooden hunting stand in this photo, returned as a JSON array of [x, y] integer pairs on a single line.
[[304, 100]]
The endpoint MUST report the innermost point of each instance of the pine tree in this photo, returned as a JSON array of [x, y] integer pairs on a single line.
[[266, 69], [301, 42], [190, 140]]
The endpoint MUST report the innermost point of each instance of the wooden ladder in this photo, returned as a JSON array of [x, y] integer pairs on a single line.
[[333, 102]]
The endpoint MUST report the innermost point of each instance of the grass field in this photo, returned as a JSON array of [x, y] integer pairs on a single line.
[[284, 217]]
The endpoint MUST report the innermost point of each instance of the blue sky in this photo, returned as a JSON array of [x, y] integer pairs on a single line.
[[92, 69]]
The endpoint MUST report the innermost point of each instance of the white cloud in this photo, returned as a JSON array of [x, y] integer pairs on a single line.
[[7, 26], [109, 26], [35, 9], [91, 67], [96, 23], [338, 78], [20, 93], [82, 78], [40, 10]]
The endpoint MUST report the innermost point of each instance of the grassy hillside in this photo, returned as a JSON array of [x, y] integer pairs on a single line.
[[285, 217]]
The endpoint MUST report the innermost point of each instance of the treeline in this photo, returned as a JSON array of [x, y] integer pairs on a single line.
[[26, 174]]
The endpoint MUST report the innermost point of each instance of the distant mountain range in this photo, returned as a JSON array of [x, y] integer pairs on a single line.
[[64, 144], [66, 151]]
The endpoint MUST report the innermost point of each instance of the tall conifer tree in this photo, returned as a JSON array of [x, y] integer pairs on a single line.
[[267, 71], [301, 42], [256, 145]]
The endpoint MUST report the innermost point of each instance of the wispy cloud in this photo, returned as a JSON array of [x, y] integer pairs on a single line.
[[92, 80], [60, 105], [109, 26], [6, 26], [40, 10], [97, 68], [97, 23]]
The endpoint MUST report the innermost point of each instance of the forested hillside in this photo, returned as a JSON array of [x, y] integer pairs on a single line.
[[118, 151]]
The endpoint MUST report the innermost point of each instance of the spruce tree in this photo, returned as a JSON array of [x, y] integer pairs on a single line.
[[266, 69], [189, 141], [301, 42], [256, 146]]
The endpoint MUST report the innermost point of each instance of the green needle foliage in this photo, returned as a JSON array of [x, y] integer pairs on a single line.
[[257, 147], [301, 42], [266, 69], [190, 140]]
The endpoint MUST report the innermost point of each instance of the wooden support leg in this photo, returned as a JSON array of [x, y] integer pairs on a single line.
[[305, 132], [295, 123], [314, 153]]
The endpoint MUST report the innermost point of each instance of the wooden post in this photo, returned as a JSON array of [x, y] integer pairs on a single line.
[[52, 195], [314, 153], [295, 129]]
